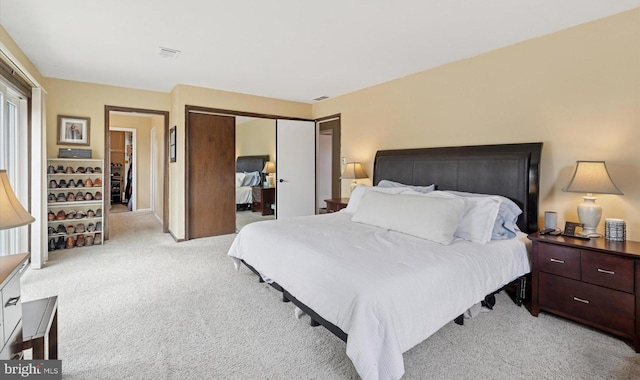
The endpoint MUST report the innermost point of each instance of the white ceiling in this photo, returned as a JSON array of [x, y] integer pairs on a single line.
[[287, 49]]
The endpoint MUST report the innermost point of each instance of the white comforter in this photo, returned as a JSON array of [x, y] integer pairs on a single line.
[[386, 290], [243, 195]]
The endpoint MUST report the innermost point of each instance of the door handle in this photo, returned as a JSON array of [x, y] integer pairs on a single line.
[[13, 301], [282, 180]]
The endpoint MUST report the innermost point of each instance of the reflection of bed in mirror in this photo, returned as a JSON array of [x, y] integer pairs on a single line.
[[248, 174], [378, 276]]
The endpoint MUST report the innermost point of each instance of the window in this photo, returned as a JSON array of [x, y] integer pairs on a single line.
[[14, 158]]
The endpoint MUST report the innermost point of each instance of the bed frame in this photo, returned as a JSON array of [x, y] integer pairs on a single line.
[[250, 164], [510, 170]]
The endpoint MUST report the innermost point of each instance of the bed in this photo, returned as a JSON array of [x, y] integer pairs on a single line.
[[384, 291], [248, 174]]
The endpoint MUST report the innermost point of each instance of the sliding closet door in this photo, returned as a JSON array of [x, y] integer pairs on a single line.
[[296, 168], [211, 205]]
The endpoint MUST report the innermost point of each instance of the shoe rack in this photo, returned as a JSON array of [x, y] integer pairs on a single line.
[[75, 202]]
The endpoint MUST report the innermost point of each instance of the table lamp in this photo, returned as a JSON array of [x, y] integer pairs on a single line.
[[354, 171], [12, 214], [591, 177], [270, 170]]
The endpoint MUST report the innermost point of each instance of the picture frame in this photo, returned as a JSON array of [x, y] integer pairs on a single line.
[[172, 145], [73, 130]]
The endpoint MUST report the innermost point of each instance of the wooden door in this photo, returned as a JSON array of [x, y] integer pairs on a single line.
[[211, 206]]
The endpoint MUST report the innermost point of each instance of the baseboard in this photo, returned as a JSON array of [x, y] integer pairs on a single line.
[[143, 210], [175, 238]]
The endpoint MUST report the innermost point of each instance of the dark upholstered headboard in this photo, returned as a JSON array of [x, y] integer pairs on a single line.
[[510, 170], [251, 163]]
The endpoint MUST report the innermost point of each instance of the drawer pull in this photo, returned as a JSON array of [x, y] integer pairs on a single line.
[[606, 271], [557, 261], [13, 301], [580, 300]]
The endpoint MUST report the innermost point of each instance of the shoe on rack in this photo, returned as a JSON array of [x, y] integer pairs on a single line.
[[99, 213], [51, 170], [80, 215], [90, 213], [80, 228], [72, 183], [88, 196], [79, 183], [70, 229], [51, 231], [53, 184], [61, 215], [51, 198], [52, 244], [98, 239], [97, 169], [70, 197], [91, 227], [79, 196], [97, 183], [63, 184], [70, 242], [61, 198], [99, 226], [51, 216], [88, 182], [89, 241], [80, 241], [61, 229], [98, 195], [71, 214], [69, 170], [60, 169], [89, 169], [60, 242], [81, 169]]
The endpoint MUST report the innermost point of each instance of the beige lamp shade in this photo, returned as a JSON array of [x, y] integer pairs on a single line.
[[269, 167], [12, 214], [353, 170], [592, 177]]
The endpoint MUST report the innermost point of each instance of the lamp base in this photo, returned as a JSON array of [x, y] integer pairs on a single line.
[[354, 184], [589, 213]]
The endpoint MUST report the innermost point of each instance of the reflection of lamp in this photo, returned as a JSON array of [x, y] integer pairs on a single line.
[[270, 170], [12, 214], [591, 177], [354, 171]]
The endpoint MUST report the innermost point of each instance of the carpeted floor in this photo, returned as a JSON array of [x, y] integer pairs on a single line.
[[145, 307]]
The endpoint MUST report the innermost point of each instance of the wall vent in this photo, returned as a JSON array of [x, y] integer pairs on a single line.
[[321, 98]]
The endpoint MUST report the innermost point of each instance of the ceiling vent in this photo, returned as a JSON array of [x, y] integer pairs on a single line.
[[168, 53], [319, 98]]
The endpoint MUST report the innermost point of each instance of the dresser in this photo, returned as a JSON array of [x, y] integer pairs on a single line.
[[595, 282], [262, 198], [11, 269]]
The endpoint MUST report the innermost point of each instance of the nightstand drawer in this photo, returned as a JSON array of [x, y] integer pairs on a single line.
[[610, 309], [563, 261], [607, 270]]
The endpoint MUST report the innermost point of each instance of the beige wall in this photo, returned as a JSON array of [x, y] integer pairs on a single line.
[[183, 95], [256, 137], [16, 53], [577, 91], [157, 128], [88, 100]]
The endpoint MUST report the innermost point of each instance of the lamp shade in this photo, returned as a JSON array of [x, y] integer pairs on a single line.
[[353, 170], [269, 167], [592, 177], [12, 214]]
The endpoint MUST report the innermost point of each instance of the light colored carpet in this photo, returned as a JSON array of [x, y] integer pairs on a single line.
[[245, 217], [145, 307]]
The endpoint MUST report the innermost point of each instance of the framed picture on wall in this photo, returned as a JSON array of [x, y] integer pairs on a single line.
[[73, 130], [172, 145]]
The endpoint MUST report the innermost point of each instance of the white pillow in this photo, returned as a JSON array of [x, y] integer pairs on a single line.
[[430, 218], [239, 179], [420, 189], [360, 190], [478, 219]]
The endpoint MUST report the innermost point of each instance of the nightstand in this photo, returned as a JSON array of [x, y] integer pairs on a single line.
[[336, 204], [262, 198], [595, 282]]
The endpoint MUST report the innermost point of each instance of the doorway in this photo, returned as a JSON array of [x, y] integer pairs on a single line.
[[122, 193], [328, 173], [149, 184]]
